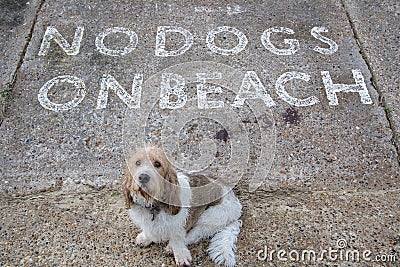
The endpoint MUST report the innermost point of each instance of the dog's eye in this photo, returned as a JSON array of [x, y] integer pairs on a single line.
[[138, 163], [157, 164]]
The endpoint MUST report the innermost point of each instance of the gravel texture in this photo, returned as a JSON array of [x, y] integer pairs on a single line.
[[92, 229]]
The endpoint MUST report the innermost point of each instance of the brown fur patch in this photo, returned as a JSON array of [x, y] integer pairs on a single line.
[[212, 198], [144, 194], [213, 193], [126, 188]]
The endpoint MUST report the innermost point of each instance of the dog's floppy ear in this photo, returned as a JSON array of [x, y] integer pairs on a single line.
[[126, 185], [172, 191]]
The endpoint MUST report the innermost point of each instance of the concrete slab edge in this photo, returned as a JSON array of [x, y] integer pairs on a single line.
[[6, 92], [395, 136]]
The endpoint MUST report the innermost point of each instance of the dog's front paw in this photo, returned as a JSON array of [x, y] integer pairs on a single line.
[[182, 257], [142, 240], [168, 250]]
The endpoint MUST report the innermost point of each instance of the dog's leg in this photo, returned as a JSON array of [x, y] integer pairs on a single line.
[[168, 250], [181, 252], [143, 239], [200, 232]]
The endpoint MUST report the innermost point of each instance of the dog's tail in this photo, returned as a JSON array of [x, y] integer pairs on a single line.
[[222, 247]]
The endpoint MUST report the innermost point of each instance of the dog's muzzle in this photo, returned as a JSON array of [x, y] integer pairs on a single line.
[[144, 178]]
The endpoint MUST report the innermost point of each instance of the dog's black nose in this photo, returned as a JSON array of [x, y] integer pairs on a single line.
[[144, 178]]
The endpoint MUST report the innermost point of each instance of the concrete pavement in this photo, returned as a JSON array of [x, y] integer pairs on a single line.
[[314, 87]]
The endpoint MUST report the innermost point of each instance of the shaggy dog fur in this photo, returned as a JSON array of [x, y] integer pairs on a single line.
[[162, 203]]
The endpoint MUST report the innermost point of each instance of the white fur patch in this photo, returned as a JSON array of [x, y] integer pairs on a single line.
[[222, 247], [164, 226]]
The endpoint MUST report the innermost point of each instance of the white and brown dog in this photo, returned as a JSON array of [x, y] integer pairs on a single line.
[[163, 205]]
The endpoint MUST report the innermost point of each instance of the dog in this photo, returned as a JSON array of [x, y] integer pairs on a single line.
[[166, 206]]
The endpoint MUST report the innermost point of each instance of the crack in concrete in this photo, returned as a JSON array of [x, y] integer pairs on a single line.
[[11, 84], [382, 102], [261, 193]]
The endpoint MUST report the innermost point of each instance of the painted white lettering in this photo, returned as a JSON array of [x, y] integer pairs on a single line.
[[160, 41], [293, 43], [360, 87], [242, 41], [133, 40], [53, 34], [177, 90], [75, 81], [109, 82], [251, 80], [203, 90], [333, 47], [283, 94]]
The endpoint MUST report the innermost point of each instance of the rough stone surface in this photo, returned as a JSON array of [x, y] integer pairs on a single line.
[[93, 228], [377, 26]]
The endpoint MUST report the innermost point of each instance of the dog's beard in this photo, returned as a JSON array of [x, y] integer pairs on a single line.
[[140, 200], [142, 197]]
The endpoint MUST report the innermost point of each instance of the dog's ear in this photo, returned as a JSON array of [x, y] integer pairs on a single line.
[[172, 192], [126, 185]]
